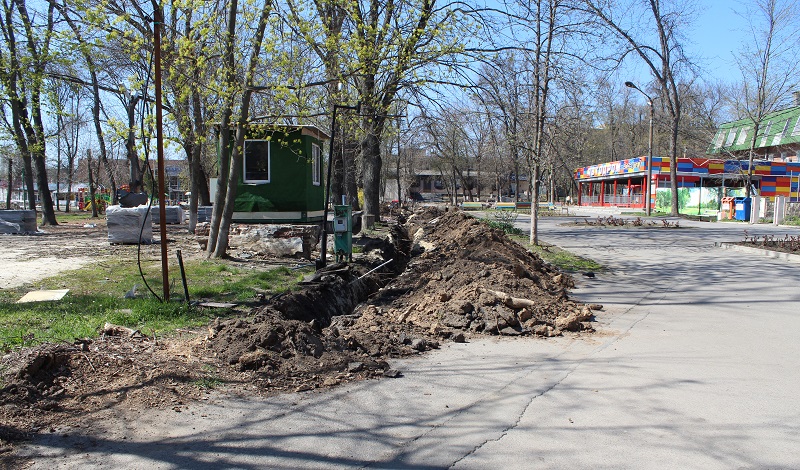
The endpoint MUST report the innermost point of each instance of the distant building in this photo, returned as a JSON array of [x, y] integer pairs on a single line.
[[776, 168], [778, 137]]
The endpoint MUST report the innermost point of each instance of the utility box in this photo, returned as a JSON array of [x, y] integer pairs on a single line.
[[742, 208], [727, 208], [343, 233]]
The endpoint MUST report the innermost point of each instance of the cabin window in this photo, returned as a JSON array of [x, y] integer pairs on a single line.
[[256, 161], [316, 165]]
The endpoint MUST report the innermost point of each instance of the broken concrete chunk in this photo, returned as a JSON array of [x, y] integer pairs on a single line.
[[354, 367], [391, 373]]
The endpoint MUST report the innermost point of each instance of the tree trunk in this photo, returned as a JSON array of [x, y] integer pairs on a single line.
[[534, 237], [98, 129], [70, 177], [225, 150], [226, 217], [10, 182], [48, 214], [673, 167], [194, 155], [58, 167], [236, 161], [371, 152], [91, 183]]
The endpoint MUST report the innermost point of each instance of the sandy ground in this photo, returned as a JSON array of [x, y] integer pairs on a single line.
[[53, 250], [18, 270]]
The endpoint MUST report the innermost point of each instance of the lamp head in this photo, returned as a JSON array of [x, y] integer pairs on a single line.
[[630, 85]]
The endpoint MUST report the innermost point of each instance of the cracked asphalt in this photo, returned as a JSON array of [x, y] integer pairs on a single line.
[[694, 366]]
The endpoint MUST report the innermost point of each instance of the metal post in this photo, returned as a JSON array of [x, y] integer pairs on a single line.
[[649, 147], [700, 196], [649, 158], [323, 249], [162, 216]]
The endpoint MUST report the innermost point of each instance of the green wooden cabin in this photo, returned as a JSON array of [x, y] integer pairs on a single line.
[[282, 179]]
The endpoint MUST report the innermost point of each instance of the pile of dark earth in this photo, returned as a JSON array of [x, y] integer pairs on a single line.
[[451, 276]]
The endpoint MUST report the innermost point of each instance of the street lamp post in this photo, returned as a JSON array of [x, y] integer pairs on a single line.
[[649, 148]]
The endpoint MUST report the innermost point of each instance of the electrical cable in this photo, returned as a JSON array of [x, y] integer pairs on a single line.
[[145, 110]]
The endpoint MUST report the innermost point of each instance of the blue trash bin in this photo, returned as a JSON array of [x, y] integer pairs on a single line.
[[742, 205]]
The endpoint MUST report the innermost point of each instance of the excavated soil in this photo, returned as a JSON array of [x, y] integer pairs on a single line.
[[450, 277]]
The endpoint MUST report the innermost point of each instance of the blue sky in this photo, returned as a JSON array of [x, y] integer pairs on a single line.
[[717, 33]]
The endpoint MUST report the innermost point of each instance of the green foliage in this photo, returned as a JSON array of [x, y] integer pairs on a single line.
[[504, 220], [563, 259], [683, 197], [792, 220], [97, 296]]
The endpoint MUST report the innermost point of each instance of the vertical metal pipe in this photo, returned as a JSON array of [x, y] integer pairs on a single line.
[[162, 216], [650, 158], [183, 276], [323, 249]]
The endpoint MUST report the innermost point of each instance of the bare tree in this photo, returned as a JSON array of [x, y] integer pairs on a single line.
[[635, 22], [768, 64], [22, 75]]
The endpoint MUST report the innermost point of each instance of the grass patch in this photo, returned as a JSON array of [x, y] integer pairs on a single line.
[[563, 259], [503, 220], [792, 220], [97, 296], [76, 217], [653, 213], [208, 383]]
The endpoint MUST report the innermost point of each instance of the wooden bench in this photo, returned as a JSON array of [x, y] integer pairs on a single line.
[[471, 205], [551, 208], [505, 206]]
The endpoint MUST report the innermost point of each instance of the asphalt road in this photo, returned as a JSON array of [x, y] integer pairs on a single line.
[[694, 366]]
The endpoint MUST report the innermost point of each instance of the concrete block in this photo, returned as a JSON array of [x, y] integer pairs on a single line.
[[125, 224], [17, 221]]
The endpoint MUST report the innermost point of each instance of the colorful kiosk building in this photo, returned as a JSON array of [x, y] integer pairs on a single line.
[[622, 183], [776, 171]]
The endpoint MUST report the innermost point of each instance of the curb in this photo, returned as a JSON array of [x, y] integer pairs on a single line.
[[768, 253]]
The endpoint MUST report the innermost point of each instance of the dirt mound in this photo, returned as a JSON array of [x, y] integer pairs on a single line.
[[59, 384], [468, 276], [463, 276], [450, 276]]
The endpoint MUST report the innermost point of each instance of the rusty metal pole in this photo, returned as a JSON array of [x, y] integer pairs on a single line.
[[162, 213]]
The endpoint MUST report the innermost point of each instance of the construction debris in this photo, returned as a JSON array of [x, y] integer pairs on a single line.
[[451, 277]]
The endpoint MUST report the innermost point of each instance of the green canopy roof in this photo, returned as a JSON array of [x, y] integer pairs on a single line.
[[776, 129]]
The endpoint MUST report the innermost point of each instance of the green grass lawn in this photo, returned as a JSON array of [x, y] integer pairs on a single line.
[[97, 295], [563, 259]]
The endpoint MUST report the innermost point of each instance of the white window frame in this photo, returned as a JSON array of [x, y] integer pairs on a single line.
[[743, 135], [731, 137], [765, 135], [316, 165], [796, 130], [779, 136], [269, 162], [720, 139]]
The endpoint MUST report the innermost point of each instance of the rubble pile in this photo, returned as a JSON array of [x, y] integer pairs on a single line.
[[468, 276], [461, 276], [440, 276]]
